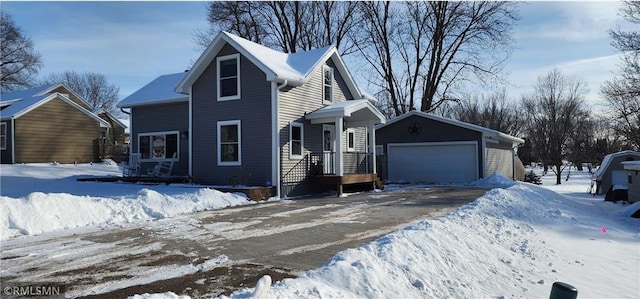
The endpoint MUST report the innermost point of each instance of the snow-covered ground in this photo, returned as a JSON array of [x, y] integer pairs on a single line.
[[513, 242], [38, 198]]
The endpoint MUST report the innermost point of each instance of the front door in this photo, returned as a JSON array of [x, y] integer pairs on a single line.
[[328, 148]]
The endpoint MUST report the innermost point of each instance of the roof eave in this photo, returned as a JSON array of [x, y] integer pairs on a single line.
[[154, 102]]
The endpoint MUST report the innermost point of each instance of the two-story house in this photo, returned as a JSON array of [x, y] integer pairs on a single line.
[[247, 114]]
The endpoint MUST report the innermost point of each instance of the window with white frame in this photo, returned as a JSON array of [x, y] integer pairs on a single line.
[[327, 84], [158, 145], [229, 143], [228, 71], [351, 140], [3, 136], [296, 140]]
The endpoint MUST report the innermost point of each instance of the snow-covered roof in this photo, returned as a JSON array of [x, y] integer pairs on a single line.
[[17, 103], [631, 165], [347, 109], [112, 117], [160, 90], [609, 158], [485, 131], [294, 68]]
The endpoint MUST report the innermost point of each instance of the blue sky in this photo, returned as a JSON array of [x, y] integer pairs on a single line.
[[134, 42]]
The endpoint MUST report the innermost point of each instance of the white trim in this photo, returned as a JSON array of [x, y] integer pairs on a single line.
[[293, 156], [352, 148], [13, 140], [3, 132], [331, 85], [220, 124], [165, 133], [224, 58], [63, 85], [103, 123], [484, 157]]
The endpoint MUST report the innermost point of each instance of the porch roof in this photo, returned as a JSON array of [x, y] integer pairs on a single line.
[[351, 111]]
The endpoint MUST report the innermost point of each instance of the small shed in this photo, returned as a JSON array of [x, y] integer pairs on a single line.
[[419, 147], [633, 179], [611, 173]]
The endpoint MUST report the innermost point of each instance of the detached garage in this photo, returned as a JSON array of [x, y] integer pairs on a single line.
[[422, 147]]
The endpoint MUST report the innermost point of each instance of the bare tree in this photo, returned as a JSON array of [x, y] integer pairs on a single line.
[[19, 63], [422, 50], [622, 93], [493, 111], [290, 26], [92, 87], [555, 113]]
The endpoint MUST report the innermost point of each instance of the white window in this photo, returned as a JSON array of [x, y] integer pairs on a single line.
[[228, 74], [351, 140], [296, 140], [3, 136], [158, 145], [229, 143], [327, 84]]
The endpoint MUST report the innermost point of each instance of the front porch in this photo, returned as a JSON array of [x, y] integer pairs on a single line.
[[347, 154]]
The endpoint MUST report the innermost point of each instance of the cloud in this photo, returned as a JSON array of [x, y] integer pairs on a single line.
[[569, 21]]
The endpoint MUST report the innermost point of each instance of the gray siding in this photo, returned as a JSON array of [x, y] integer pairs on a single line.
[[254, 112], [634, 186], [432, 131], [6, 154], [163, 118], [294, 103], [500, 159]]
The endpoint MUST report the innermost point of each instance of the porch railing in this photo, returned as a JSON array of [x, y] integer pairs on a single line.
[[315, 164]]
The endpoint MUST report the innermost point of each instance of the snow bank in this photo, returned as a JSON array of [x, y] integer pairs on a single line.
[[496, 180], [40, 212], [512, 242]]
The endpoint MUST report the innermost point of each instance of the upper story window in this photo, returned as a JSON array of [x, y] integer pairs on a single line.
[[229, 143], [3, 136], [158, 146], [327, 84], [228, 74], [296, 142]]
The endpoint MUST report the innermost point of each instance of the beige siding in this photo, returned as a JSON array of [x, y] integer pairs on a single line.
[[296, 102], [58, 132], [499, 160], [63, 90]]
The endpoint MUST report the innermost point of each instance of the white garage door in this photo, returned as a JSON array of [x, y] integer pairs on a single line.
[[434, 162]]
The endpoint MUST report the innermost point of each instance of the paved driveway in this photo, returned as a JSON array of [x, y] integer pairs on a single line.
[[216, 252]]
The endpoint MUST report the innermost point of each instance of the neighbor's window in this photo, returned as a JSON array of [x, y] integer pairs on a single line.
[[351, 140], [296, 142], [158, 146], [3, 136], [229, 143], [228, 77], [327, 79]]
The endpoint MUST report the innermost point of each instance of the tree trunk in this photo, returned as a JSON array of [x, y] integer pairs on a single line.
[[558, 173]]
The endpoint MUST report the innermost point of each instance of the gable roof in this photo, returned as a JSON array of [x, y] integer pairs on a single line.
[[17, 103], [159, 91], [293, 68], [608, 159], [347, 109], [110, 116], [485, 131], [22, 106]]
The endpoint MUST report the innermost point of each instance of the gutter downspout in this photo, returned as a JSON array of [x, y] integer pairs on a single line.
[[275, 142], [13, 140]]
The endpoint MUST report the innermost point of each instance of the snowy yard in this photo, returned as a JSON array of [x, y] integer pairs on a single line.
[[513, 242]]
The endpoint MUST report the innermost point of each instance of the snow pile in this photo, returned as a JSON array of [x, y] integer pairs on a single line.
[[38, 198], [496, 180], [39, 212], [511, 242]]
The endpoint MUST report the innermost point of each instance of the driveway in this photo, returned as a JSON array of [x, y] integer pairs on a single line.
[[216, 252]]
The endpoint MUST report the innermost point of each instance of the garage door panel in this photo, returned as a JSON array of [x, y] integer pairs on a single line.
[[433, 162]]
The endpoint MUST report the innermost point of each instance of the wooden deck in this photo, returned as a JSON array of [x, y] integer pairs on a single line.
[[347, 179]]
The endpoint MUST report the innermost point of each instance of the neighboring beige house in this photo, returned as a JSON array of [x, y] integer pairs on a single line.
[[633, 179], [46, 124]]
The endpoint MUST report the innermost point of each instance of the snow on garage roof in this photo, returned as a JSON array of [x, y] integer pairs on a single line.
[[608, 159], [160, 90]]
